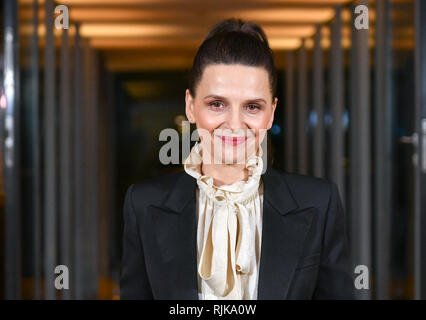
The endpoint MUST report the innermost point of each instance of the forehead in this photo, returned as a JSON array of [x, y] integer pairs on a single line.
[[234, 79]]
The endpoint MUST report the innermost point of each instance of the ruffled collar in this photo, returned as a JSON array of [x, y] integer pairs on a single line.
[[239, 191]]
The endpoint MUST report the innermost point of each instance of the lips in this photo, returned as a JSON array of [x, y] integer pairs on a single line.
[[233, 140]]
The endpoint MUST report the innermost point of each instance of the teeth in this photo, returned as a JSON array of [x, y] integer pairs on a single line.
[[233, 138]]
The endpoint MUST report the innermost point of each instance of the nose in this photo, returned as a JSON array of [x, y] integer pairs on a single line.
[[235, 120]]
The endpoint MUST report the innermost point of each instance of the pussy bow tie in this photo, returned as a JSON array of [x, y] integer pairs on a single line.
[[229, 247]]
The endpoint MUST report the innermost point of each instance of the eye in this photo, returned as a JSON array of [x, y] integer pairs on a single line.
[[216, 105], [253, 108]]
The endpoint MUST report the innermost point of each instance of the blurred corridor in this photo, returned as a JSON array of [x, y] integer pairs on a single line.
[[81, 109]]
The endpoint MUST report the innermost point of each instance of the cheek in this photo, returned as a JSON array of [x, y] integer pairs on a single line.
[[259, 122], [205, 120], [259, 126]]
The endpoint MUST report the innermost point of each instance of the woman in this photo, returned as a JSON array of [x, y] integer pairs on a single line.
[[228, 226]]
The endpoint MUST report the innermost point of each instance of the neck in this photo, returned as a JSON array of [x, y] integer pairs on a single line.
[[224, 174]]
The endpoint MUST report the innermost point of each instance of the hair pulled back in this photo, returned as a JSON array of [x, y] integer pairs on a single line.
[[234, 41]]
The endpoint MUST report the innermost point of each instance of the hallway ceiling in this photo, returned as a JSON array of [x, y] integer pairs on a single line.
[[165, 34]]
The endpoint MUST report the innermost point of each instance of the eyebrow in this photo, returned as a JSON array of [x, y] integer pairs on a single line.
[[215, 96]]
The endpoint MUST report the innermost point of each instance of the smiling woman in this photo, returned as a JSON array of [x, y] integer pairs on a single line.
[[227, 228]]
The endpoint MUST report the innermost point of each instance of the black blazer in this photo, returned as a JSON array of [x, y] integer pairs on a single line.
[[304, 252]]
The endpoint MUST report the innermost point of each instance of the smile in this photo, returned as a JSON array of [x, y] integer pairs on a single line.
[[233, 140]]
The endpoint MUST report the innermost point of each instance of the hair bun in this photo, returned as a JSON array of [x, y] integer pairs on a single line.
[[238, 25]]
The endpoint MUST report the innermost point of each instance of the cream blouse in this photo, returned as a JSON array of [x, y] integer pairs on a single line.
[[229, 229]]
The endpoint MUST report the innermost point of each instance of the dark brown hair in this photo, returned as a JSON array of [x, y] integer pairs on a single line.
[[234, 41]]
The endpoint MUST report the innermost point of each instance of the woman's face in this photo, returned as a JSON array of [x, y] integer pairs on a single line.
[[232, 110]]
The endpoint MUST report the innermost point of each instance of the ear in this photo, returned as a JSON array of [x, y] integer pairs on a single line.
[[274, 106], [189, 108]]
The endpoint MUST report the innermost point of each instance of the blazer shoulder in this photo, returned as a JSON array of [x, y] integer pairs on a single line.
[[152, 191], [308, 190]]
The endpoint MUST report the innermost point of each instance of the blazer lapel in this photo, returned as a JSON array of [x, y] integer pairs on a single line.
[[285, 225], [175, 230]]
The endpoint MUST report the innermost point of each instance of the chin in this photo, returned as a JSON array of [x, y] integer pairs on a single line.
[[232, 157]]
